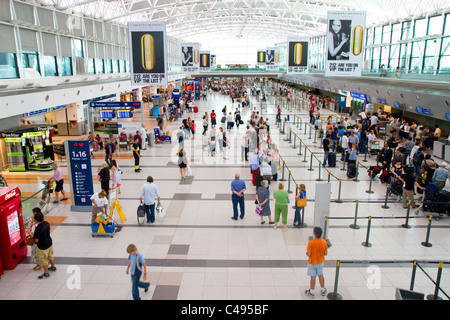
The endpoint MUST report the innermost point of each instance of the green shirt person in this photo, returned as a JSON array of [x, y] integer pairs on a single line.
[[281, 205]]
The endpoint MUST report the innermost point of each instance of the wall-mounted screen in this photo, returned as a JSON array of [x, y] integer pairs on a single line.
[[123, 114], [107, 114], [426, 112], [418, 109]]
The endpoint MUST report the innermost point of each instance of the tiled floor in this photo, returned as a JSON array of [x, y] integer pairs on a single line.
[[197, 252]]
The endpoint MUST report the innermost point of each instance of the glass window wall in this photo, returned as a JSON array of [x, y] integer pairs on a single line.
[[50, 66], [30, 60], [66, 66], [8, 66]]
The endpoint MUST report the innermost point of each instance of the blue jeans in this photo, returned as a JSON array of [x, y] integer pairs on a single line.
[[238, 200], [325, 158], [135, 285], [298, 217], [150, 212]]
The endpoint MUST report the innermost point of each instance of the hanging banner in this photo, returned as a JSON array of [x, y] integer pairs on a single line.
[[205, 61], [345, 43], [272, 58], [261, 58], [213, 61], [298, 55], [190, 57], [148, 53]]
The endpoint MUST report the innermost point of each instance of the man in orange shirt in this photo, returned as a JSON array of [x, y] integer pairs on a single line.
[[316, 251]]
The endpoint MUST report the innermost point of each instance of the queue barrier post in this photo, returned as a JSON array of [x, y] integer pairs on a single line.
[[405, 225], [385, 206], [339, 192], [370, 183], [325, 232], [357, 172], [367, 243], [345, 158], [304, 159], [300, 148], [413, 275], [426, 243], [438, 282], [335, 295], [354, 225], [289, 182], [365, 153], [320, 171], [310, 163], [282, 172]]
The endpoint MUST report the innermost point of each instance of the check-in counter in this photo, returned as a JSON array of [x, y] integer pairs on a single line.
[[441, 149]]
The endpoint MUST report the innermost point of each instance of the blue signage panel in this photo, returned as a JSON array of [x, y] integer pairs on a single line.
[[419, 109], [197, 90], [447, 116], [356, 95], [426, 112], [79, 159], [115, 104]]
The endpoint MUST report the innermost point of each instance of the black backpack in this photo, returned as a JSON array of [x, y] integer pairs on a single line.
[[418, 158]]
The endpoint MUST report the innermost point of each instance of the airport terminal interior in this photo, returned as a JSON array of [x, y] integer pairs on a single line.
[[80, 133]]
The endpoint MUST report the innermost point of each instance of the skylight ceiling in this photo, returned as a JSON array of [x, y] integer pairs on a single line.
[[268, 19]]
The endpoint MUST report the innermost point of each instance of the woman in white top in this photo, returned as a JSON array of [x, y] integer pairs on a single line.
[[220, 138], [116, 176], [99, 204]]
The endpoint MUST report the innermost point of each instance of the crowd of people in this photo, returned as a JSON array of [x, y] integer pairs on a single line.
[[402, 156]]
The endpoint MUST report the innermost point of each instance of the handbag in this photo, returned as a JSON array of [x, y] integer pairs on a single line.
[[160, 210], [301, 202], [258, 210], [141, 211], [188, 170]]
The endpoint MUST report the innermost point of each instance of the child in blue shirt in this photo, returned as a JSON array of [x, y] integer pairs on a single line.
[[137, 267]]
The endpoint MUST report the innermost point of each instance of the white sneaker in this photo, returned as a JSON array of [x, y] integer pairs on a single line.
[[323, 292], [309, 293]]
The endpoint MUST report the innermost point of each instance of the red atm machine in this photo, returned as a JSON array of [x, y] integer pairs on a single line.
[[12, 232]]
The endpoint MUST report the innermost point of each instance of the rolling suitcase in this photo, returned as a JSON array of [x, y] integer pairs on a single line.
[[332, 159]]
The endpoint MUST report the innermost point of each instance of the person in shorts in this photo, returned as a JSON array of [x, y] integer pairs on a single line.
[[316, 251], [44, 250]]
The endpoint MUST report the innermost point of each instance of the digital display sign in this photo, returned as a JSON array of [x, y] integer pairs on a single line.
[[419, 109], [447, 116], [426, 112], [124, 114], [107, 114], [12, 221]]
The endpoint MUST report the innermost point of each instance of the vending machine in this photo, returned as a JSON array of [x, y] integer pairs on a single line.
[[12, 232]]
